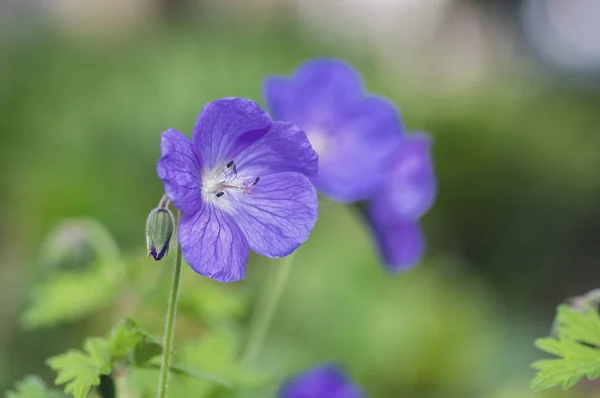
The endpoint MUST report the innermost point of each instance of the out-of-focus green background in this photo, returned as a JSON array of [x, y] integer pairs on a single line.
[[87, 89]]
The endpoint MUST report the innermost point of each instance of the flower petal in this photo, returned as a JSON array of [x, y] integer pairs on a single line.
[[410, 186], [401, 244], [354, 134], [284, 148], [227, 126], [315, 87], [278, 94], [349, 391], [358, 150], [325, 381], [279, 214], [213, 245], [179, 170]]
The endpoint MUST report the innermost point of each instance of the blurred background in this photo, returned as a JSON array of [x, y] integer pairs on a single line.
[[509, 89]]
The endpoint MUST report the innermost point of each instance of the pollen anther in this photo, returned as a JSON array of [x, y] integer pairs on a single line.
[[223, 181]]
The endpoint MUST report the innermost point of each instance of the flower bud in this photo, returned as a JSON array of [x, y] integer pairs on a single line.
[[159, 229]]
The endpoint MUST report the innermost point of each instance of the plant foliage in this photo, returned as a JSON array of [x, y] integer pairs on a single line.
[[576, 345]]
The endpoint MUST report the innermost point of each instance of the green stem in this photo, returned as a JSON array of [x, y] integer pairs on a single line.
[[265, 310], [170, 322]]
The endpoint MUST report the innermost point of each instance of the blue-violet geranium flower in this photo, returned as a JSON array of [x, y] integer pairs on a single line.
[[408, 193], [324, 381], [354, 133], [240, 183]]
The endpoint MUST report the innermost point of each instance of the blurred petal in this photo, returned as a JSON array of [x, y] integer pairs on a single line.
[[226, 127], [401, 244], [358, 150], [410, 186], [314, 88], [354, 135], [277, 92], [179, 170], [349, 391], [213, 245], [284, 148], [279, 214], [325, 381]]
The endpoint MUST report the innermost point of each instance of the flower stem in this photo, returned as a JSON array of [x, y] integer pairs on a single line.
[[265, 310], [170, 322], [164, 202]]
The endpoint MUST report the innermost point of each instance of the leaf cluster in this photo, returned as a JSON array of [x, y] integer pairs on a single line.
[[577, 346], [126, 345]]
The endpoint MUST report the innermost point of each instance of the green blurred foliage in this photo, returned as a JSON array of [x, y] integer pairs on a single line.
[[513, 231], [33, 387]]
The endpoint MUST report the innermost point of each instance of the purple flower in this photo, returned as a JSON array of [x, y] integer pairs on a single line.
[[240, 183], [325, 381], [354, 133], [408, 193]]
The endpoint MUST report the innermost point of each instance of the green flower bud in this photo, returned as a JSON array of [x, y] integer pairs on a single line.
[[159, 229]]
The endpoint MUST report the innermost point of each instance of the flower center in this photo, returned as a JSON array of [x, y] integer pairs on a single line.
[[225, 181], [317, 140]]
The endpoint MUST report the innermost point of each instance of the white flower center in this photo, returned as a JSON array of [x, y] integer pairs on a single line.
[[225, 182], [318, 141], [210, 185]]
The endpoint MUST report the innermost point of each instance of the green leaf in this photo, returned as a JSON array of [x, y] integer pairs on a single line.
[[68, 295], [33, 387], [146, 349], [123, 338], [81, 371], [577, 345], [583, 325], [128, 338]]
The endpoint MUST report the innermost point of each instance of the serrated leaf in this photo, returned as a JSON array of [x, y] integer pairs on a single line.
[[81, 371], [124, 338], [583, 325], [128, 338], [549, 345], [146, 349], [576, 346], [33, 387]]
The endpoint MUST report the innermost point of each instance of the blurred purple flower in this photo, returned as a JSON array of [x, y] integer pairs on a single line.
[[240, 183], [325, 381], [408, 193], [355, 134]]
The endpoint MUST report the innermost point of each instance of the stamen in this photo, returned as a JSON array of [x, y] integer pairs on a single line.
[[223, 182], [246, 189], [223, 173]]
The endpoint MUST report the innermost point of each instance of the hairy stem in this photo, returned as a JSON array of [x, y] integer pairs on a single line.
[[170, 322], [265, 309]]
